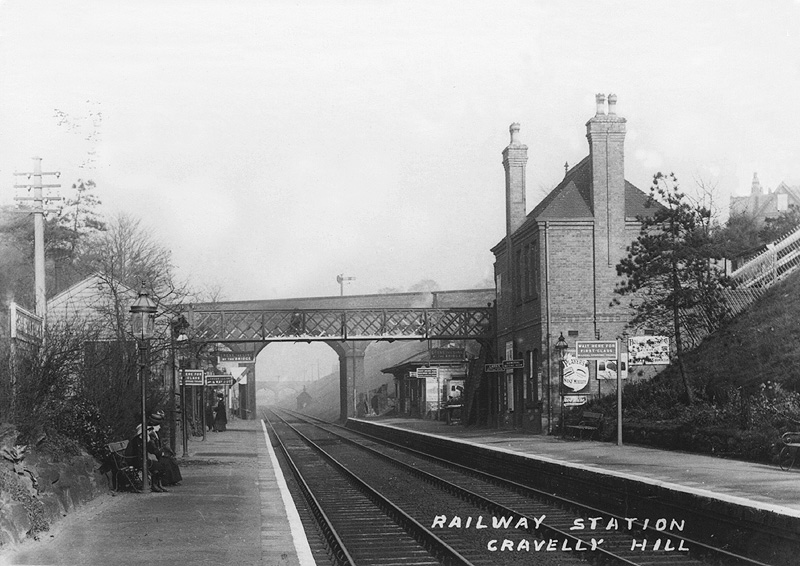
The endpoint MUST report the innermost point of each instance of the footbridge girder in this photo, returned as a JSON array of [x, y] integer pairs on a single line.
[[348, 331], [469, 323]]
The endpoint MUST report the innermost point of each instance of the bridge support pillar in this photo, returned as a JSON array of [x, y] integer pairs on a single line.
[[351, 375]]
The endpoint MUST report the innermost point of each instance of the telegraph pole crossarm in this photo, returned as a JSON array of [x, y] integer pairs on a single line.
[[38, 211]]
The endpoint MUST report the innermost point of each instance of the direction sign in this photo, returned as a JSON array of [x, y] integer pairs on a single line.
[[235, 356], [193, 376], [596, 350], [224, 379], [514, 364], [493, 368]]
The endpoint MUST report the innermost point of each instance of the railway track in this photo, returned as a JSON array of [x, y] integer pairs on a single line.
[[443, 512]]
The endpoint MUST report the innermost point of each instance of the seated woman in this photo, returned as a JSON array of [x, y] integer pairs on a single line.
[[171, 472], [134, 455]]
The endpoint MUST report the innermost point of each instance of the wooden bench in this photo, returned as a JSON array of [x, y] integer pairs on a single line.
[[124, 475], [590, 423]]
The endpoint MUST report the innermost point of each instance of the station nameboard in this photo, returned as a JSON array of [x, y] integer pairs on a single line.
[[193, 376], [596, 350], [235, 356], [219, 379]]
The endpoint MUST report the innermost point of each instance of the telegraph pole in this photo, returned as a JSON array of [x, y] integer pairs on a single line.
[[38, 210]]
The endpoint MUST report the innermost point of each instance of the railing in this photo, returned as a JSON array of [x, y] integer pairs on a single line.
[[759, 273], [355, 324], [780, 258]]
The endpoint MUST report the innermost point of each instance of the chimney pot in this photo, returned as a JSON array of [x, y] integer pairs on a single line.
[[612, 104], [601, 104], [514, 129]]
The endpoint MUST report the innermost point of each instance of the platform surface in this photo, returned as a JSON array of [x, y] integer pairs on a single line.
[[231, 508], [761, 486]]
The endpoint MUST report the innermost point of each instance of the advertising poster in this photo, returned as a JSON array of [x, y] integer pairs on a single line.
[[575, 375], [648, 350]]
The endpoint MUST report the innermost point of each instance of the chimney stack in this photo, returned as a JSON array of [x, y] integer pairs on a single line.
[[606, 135], [601, 104], [755, 186], [515, 156]]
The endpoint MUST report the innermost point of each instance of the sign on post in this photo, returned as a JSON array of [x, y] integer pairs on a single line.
[[493, 368], [219, 379], [514, 364], [193, 376], [596, 350]]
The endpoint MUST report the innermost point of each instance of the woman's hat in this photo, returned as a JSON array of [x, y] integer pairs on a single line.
[[156, 418]]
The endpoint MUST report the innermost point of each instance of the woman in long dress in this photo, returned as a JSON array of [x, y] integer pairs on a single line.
[[221, 417]]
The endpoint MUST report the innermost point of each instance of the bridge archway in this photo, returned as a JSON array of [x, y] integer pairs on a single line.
[[348, 330], [351, 356]]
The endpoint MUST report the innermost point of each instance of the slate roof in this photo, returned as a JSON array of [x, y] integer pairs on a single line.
[[571, 198]]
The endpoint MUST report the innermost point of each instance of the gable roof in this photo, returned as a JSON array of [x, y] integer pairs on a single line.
[[571, 198], [85, 300]]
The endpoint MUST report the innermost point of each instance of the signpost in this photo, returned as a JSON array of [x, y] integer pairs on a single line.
[[193, 377], [514, 364], [597, 350], [224, 379], [605, 350], [494, 368]]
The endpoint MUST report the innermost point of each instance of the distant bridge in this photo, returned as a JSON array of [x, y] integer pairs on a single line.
[[347, 324]]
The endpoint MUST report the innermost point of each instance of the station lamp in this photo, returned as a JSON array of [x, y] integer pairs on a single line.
[[143, 318]]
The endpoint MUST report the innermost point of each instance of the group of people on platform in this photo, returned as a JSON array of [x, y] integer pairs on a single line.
[[161, 462], [216, 416]]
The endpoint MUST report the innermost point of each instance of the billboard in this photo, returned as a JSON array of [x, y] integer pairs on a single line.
[[648, 350]]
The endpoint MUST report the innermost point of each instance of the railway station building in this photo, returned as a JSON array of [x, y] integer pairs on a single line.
[[555, 271]]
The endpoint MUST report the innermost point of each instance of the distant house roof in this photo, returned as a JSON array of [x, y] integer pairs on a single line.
[[760, 205]]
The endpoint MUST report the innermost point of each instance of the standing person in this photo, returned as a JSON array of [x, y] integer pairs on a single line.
[[210, 415], [221, 417], [376, 404]]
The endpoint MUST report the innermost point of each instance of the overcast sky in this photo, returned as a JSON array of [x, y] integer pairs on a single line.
[[273, 145]]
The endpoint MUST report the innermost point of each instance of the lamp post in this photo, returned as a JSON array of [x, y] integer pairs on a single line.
[[143, 312], [561, 349], [178, 338]]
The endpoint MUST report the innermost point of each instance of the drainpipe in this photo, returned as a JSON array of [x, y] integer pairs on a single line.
[[547, 306]]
